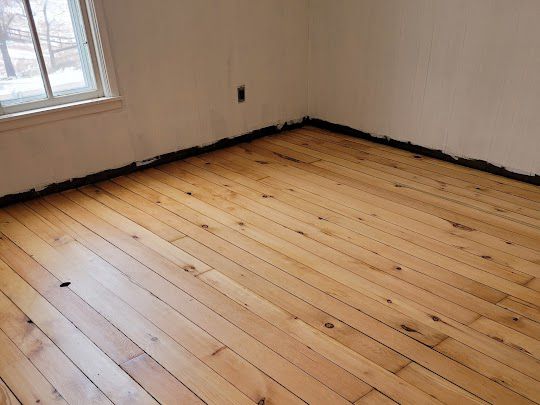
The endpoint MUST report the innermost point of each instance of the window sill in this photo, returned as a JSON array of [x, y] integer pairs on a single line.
[[60, 112]]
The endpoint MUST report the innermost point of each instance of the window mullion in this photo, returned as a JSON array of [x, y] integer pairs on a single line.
[[37, 46]]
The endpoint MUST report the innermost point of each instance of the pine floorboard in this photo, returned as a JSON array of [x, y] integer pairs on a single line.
[[303, 267]]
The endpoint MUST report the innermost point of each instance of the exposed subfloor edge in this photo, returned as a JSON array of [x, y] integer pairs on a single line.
[[481, 165], [151, 162], [259, 133]]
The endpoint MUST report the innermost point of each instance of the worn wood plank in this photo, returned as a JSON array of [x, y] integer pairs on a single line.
[[305, 266]]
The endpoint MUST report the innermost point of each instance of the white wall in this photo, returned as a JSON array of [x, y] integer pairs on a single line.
[[458, 75], [178, 63]]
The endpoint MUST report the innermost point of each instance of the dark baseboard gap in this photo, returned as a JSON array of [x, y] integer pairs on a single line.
[[421, 150], [259, 133], [158, 160]]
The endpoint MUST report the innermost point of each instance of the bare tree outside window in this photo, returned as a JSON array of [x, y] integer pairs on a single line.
[[9, 12], [45, 51], [20, 76]]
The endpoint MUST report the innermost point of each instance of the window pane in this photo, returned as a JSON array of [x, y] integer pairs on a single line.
[[64, 46], [20, 77]]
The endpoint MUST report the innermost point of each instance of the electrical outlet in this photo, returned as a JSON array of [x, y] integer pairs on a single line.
[[241, 93]]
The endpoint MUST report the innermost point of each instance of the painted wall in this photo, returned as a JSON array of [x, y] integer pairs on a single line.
[[178, 63], [457, 75]]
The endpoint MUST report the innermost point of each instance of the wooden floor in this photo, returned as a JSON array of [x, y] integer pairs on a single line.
[[301, 267]]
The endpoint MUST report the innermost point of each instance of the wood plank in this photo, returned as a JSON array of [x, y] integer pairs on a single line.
[[100, 331], [493, 280], [302, 267], [163, 386], [215, 324], [363, 162], [342, 251], [508, 336], [522, 308], [473, 382], [6, 396], [105, 374], [476, 177], [228, 257], [376, 206], [514, 380], [369, 304], [23, 378], [313, 316], [374, 397], [332, 213], [422, 202], [273, 197], [402, 236], [209, 350], [54, 365], [462, 187], [447, 327], [375, 376], [436, 386], [209, 385]]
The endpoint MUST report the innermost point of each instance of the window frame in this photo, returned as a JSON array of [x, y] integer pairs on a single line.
[[105, 86]]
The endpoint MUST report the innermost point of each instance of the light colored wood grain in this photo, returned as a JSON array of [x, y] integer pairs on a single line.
[[301, 250], [71, 383], [322, 219], [302, 267], [102, 371], [100, 331], [6, 396], [374, 397], [23, 378], [364, 324], [162, 385], [455, 185]]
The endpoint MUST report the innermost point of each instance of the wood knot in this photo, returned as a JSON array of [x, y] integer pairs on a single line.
[[204, 226], [389, 300], [241, 223], [435, 318], [461, 226], [329, 325], [408, 328], [515, 319], [398, 267]]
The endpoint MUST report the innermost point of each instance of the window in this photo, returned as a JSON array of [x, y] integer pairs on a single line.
[[47, 55]]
